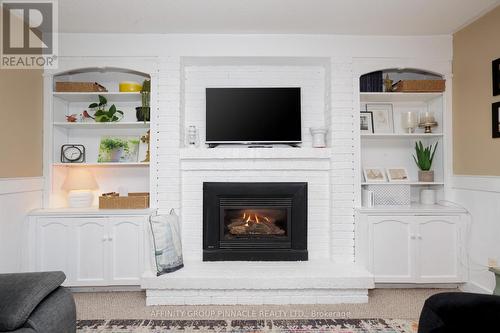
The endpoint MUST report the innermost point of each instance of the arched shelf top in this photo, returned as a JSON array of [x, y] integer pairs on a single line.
[[101, 70], [417, 73]]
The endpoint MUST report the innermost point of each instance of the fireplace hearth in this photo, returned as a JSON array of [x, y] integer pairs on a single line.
[[255, 221]]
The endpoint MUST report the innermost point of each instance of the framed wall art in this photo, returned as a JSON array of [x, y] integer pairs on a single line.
[[374, 175], [382, 117], [366, 122], [397, 174], [495, 120], [495, 71]]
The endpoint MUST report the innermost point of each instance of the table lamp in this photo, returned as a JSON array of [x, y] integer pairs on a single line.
[[80, 183]]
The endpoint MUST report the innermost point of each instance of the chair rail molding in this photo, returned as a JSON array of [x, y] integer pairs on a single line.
[[476, 183], [20, 185]]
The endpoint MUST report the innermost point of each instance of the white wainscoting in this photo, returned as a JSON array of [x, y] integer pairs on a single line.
[[480, 195], [18, 196]]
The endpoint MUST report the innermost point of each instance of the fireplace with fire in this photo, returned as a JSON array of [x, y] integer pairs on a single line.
[[254, 221]]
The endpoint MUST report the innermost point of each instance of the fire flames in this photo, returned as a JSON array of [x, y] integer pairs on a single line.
[[254, 223]]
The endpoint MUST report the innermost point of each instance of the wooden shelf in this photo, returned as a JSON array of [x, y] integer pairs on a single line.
[[94, 125], [404, 183], [133, 164], [92, 96], [382, 97], [401, 135]]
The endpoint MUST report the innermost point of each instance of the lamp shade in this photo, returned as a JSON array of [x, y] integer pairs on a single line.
[[79, 179]]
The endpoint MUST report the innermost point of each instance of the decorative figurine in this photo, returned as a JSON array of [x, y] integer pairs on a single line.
[[146, 139]]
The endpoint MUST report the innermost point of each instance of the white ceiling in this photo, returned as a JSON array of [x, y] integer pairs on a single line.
[[356, 17]]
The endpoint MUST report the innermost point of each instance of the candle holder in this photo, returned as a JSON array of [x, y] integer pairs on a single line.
[[409, 121], [427, 121], [428, 125]]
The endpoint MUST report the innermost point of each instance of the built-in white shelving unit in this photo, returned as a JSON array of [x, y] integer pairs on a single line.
[[401, 136], [91, 96], [95, 125], [133, 175], [105, 164], [396, 149]]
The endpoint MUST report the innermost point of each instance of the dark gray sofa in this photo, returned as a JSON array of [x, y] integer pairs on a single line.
[[36, 303], [455, 312]]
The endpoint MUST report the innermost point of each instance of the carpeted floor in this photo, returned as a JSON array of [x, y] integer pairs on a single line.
[[383, 303], [388, 311]]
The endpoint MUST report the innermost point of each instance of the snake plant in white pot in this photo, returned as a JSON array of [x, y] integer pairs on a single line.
[[424, 157]]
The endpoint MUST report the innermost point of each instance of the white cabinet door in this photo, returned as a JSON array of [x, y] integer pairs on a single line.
[[438, 254], [91, 251], [391, 248], [126, 242], [53, 239]]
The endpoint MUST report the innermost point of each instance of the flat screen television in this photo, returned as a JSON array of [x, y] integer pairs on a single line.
[[253, 115]]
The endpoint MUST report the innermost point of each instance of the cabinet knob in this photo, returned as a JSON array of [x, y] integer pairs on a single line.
[[104, 238], [419, 237], [110, 238], [412, 237]]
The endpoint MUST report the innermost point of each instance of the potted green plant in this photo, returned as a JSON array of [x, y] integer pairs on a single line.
[[103, 115], [115, 148], [424, 157], [143, 112]]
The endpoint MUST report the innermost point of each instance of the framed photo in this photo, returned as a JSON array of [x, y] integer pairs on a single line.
[[374, 175], [383, 121], [397, 174], [495, 120], [366, 122], [495, 70]]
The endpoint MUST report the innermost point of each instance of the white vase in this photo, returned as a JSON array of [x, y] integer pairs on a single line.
[[318, 136], [427, 197]]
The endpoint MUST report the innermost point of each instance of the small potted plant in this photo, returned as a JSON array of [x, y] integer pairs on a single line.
[[424, 157], [102, 115], [143, 112], [115, 148]]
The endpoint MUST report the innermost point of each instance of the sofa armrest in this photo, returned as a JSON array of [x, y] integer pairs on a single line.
[[21, 293], [460, 312], [55, 314]]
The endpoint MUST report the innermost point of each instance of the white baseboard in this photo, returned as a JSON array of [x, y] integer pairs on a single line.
[[472, 287]]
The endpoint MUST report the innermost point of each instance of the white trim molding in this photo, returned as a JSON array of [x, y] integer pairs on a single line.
[[18, 196], [476, 183], [20, 185]]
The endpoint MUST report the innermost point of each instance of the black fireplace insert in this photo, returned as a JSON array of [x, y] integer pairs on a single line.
[[254, 221]]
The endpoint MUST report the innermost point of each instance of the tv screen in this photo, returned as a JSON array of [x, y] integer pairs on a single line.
[[253, 115]]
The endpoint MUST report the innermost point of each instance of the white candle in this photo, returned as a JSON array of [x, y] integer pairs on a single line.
[[427, 117]]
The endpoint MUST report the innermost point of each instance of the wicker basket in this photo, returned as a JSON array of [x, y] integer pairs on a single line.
[[419, 86], [79, 87], [138, 200]]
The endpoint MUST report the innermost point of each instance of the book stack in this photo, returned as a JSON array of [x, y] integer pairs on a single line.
[[372, 82]]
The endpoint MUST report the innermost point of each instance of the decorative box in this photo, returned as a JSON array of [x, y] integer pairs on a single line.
[[391, 195]]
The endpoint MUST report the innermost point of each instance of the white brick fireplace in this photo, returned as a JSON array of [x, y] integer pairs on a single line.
[[330, 276]]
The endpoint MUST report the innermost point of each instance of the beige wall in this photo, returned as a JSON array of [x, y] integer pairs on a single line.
[[474, 47], [21, 123]]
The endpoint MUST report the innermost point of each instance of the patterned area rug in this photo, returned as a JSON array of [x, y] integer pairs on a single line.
[[249, 326]]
